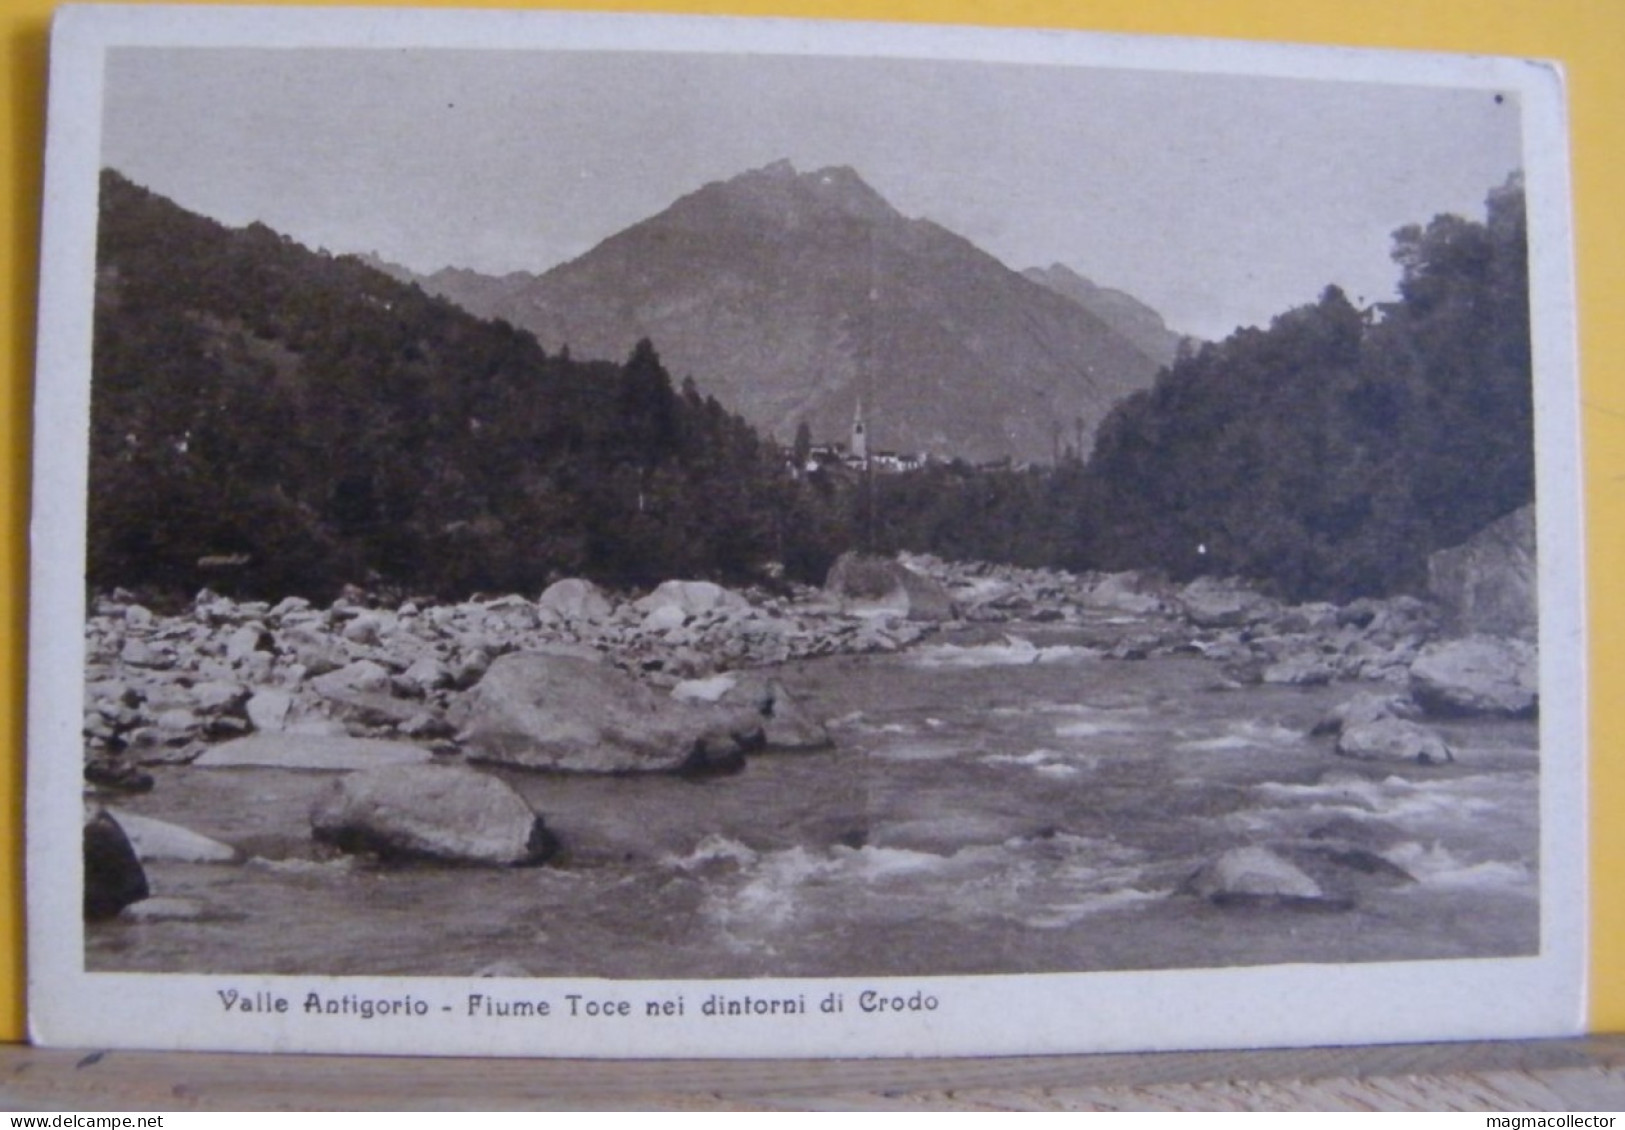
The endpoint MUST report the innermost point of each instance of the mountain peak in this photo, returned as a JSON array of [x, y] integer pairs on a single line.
[[842, 182], [779, 190]]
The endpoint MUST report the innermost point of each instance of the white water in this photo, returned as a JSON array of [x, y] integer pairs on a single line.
[[1013, 805]]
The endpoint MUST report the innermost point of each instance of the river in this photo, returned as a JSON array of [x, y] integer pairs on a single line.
[[997, 800]]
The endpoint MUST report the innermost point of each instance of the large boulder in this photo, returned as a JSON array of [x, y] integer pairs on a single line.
[[116, 774], [868, 583], [1209, 602], [558, 712], [1393, 739], [114, 877], [1130, 593], [431, 812], [365, 694], [692, 598], [268, 709], [139, 653], [363, 675], [575, 599], [1345, 871], [311, 751], [160, 840], [665, 618], [1299, 669], [1246, 876], [1478, 675], [164, 910], [1487, 584]]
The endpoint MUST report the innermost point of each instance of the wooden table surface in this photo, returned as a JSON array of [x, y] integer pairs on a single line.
[[1536, 1076]]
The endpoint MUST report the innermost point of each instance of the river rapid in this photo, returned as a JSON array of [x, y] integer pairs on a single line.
[[998, 800]]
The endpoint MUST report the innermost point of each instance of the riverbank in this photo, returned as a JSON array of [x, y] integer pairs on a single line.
[[1101, 772], [161, 689]]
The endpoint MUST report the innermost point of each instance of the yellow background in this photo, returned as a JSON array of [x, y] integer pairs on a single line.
[[1586, 36]]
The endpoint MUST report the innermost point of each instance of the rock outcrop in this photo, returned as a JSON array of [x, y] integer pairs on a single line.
[[1487, 585]]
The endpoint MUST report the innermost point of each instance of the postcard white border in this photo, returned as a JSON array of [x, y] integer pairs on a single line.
[[1234, 1007]]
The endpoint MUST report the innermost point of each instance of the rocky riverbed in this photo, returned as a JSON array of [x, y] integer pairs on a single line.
[[923, 767]]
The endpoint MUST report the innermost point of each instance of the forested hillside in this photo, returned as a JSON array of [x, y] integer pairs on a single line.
[[296, 421]]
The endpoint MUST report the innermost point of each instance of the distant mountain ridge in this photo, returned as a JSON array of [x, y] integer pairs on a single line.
[[795, 297], [1123, 312]]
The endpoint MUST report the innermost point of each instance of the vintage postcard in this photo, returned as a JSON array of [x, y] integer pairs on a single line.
[[608, 535]]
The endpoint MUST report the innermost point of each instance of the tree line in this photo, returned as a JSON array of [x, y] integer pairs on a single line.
[[270, 420], [296, 421]]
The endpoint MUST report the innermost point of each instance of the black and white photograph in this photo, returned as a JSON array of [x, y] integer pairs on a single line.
[[635, 535]]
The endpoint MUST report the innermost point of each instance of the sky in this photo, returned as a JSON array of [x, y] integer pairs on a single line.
[[1220, 200]]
